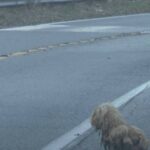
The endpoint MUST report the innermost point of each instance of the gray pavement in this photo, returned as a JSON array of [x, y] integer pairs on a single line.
[[136, 113], [46, 94], [20, 40]]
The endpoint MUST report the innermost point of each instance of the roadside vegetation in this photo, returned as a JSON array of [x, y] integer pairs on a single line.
[[44, 13]]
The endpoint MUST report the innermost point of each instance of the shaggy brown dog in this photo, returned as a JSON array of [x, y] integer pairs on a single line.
[[116, 134]]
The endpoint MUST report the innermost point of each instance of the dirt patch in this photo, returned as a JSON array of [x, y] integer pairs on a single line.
[[44, 13]]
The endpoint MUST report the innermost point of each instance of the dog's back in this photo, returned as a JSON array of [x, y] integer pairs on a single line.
[[126, 137], [139, 141]]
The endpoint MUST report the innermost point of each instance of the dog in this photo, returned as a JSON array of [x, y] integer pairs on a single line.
[[116, 133]]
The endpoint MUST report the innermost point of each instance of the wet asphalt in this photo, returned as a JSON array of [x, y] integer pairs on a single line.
[[135, 112], [46, 94]]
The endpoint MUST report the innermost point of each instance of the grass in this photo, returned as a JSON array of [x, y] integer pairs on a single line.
[[7, 0], [43, 13]]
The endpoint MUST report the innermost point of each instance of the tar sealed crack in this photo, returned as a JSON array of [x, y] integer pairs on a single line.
[[73, 43]]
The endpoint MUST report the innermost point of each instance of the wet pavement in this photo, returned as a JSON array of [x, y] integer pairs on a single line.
[[136, 112], [46, 94]]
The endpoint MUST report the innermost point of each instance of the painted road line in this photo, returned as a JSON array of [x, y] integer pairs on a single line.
[[69, 138], [102, 18], [94, 29], [42, 26], [35, 27], [130, 95]]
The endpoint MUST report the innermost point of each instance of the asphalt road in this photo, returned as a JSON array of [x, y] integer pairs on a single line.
[[135, 113], [20, 39], [44, 95]]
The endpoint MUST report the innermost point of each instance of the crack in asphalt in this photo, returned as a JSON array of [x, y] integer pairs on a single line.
[[73, 43]]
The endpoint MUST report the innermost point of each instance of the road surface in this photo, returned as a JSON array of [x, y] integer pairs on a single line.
[[136, 113], [47, 93]]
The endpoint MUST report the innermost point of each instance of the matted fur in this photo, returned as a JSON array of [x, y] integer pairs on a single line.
[[116, 134]]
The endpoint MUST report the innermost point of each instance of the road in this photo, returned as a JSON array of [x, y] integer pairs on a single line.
[[29, 37], [133, 113], [47, 93]]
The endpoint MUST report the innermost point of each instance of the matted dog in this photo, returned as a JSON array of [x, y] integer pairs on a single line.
[[116, 134]]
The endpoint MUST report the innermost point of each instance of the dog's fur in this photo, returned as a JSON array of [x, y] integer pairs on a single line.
[[116, 134]]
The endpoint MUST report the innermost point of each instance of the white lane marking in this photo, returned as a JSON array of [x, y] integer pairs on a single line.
[[125, 98], [35, 27], [67, 138], [71, 136], [82, 20], [104, 18], [94, 29]]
